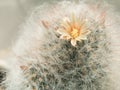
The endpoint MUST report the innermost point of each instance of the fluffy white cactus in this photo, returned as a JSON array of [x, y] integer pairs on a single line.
[[66, 45]]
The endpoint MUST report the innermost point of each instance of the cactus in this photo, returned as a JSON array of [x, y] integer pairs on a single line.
[[68, 67], [71, 68], [47, 62]]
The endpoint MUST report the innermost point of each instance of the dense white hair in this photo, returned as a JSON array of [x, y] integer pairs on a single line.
[[33, 44]]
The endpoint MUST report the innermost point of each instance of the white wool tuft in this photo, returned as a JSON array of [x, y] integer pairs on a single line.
[[28, 48]]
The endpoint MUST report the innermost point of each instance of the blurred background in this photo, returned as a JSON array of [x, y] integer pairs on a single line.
[[14, 12]]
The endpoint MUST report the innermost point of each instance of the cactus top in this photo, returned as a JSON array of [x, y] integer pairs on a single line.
[[73, 29]]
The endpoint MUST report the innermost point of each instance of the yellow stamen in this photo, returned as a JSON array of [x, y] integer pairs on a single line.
[[74, 29], [74, 33]]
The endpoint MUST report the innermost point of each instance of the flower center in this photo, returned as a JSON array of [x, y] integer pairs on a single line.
[[74, 33]]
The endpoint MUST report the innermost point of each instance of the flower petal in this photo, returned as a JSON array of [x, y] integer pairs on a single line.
[[61, 31], [65, 37], [73, 42], [85, 32], [66, 19], [81, 38]]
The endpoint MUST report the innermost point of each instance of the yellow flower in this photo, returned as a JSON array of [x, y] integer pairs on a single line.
[[73, 29]]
